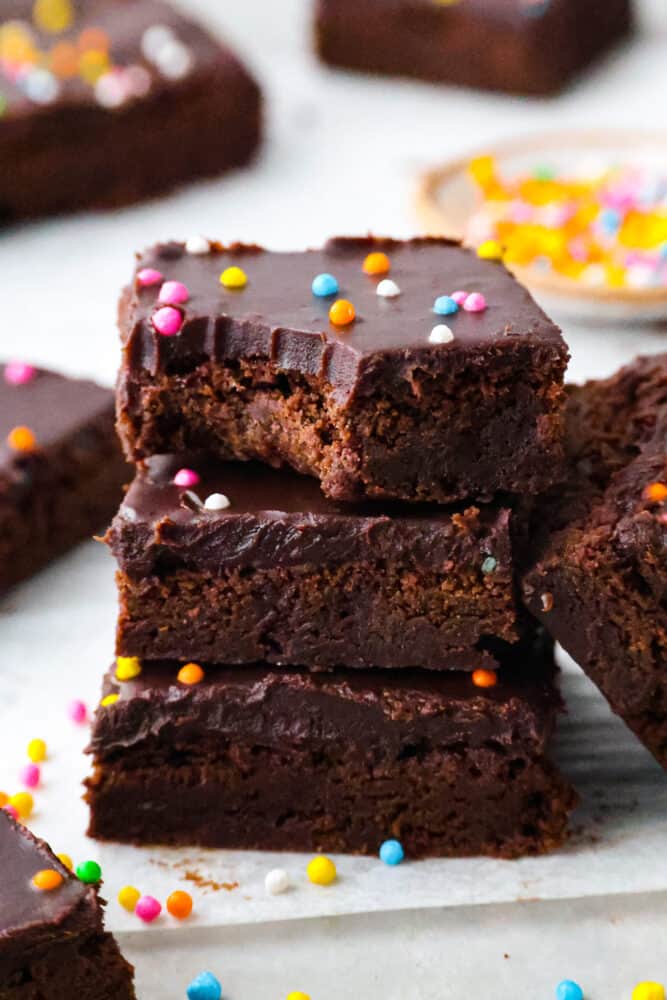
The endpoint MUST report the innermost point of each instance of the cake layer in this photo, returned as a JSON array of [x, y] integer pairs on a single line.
[[519, 46], [284, 575], [52, 941], [290, 760], [599, 579], [104, 103], [61, 469], [372, 408]]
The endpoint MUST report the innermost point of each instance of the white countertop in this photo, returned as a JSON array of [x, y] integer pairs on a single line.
[[341, 156]]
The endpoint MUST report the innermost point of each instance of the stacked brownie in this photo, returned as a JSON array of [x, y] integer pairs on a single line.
[[320, 643]]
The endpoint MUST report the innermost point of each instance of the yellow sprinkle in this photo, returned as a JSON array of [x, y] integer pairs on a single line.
[[321, 870], [490, 250], [298, 995], [233, 277], [128, 897], [93, 63], [109, 699], [53, 15], [65, 860], [37, 751], [23, 802], [648, 991], [127, 667]]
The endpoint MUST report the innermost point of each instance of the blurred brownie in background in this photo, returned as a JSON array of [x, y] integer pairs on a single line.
[[103, 103], [61, 468], [519, 46]]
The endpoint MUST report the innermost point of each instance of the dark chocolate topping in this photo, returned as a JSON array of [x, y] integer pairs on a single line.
[[374, 709], [276, 316], [52, 406], [26, 913], [282, 517], [124, 24]]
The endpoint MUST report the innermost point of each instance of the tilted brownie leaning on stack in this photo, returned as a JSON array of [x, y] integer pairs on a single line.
[[599, 580], [313, 610]]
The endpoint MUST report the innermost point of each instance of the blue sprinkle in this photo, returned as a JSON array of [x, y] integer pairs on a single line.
[[444, 305], [204, 987], [535, 8], [489, 564], [663, 251], [391, 852], [610, 220], [324, 284], [568, 990]]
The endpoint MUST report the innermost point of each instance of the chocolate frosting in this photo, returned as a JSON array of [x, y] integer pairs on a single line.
[[123, 22], [30, 919], [282, 518], [277, 317], [54, 408], [384, 711]]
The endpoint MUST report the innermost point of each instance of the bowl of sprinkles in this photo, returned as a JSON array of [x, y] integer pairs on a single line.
[[581, 219]]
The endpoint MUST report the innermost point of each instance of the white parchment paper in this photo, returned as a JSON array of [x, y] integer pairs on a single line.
[[56, 642]]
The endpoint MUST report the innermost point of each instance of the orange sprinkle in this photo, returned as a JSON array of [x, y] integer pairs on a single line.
[[4, 799], [47, 880], [377, 263], [484, 678], [179, 904], [656, 492], [64, 60], [93, 38], [21, 439], [191, 673], [342, 313]]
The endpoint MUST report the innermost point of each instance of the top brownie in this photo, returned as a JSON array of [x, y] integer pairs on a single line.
[[416, 397], [519, 46]]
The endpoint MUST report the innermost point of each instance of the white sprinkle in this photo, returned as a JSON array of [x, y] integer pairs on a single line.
[[639, 276], [110, 91], [154, 39], [217, 501], [197, 245], [174, 60], [138, 80], [276, 881], [594, 276], [440, 334], [388, 289], [41, 86]]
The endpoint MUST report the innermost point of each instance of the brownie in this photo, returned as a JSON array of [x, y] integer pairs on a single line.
[[599, 579], [531, 47], [61, 468], [106, 102], [285, 759], [284, 575], [373, 408], [53, 945]]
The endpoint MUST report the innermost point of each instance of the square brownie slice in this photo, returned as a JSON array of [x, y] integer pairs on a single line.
[[528, 47], [233, 352], [283, 759], [235, 563], [103, 103], [599, 575], [61, 468], [53, 945]]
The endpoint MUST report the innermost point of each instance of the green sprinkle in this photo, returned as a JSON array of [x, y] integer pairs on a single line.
[[89, 872], [544, 173], [3, 105], [489, 564]]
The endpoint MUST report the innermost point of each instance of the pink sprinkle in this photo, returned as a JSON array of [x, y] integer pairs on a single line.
[[459, 297], [12, 811], [148, 276], [173, 292], [167, 321], [30, 776], [148, 909], [475, 303], [77, 711], [19, 373], [186, 477]]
